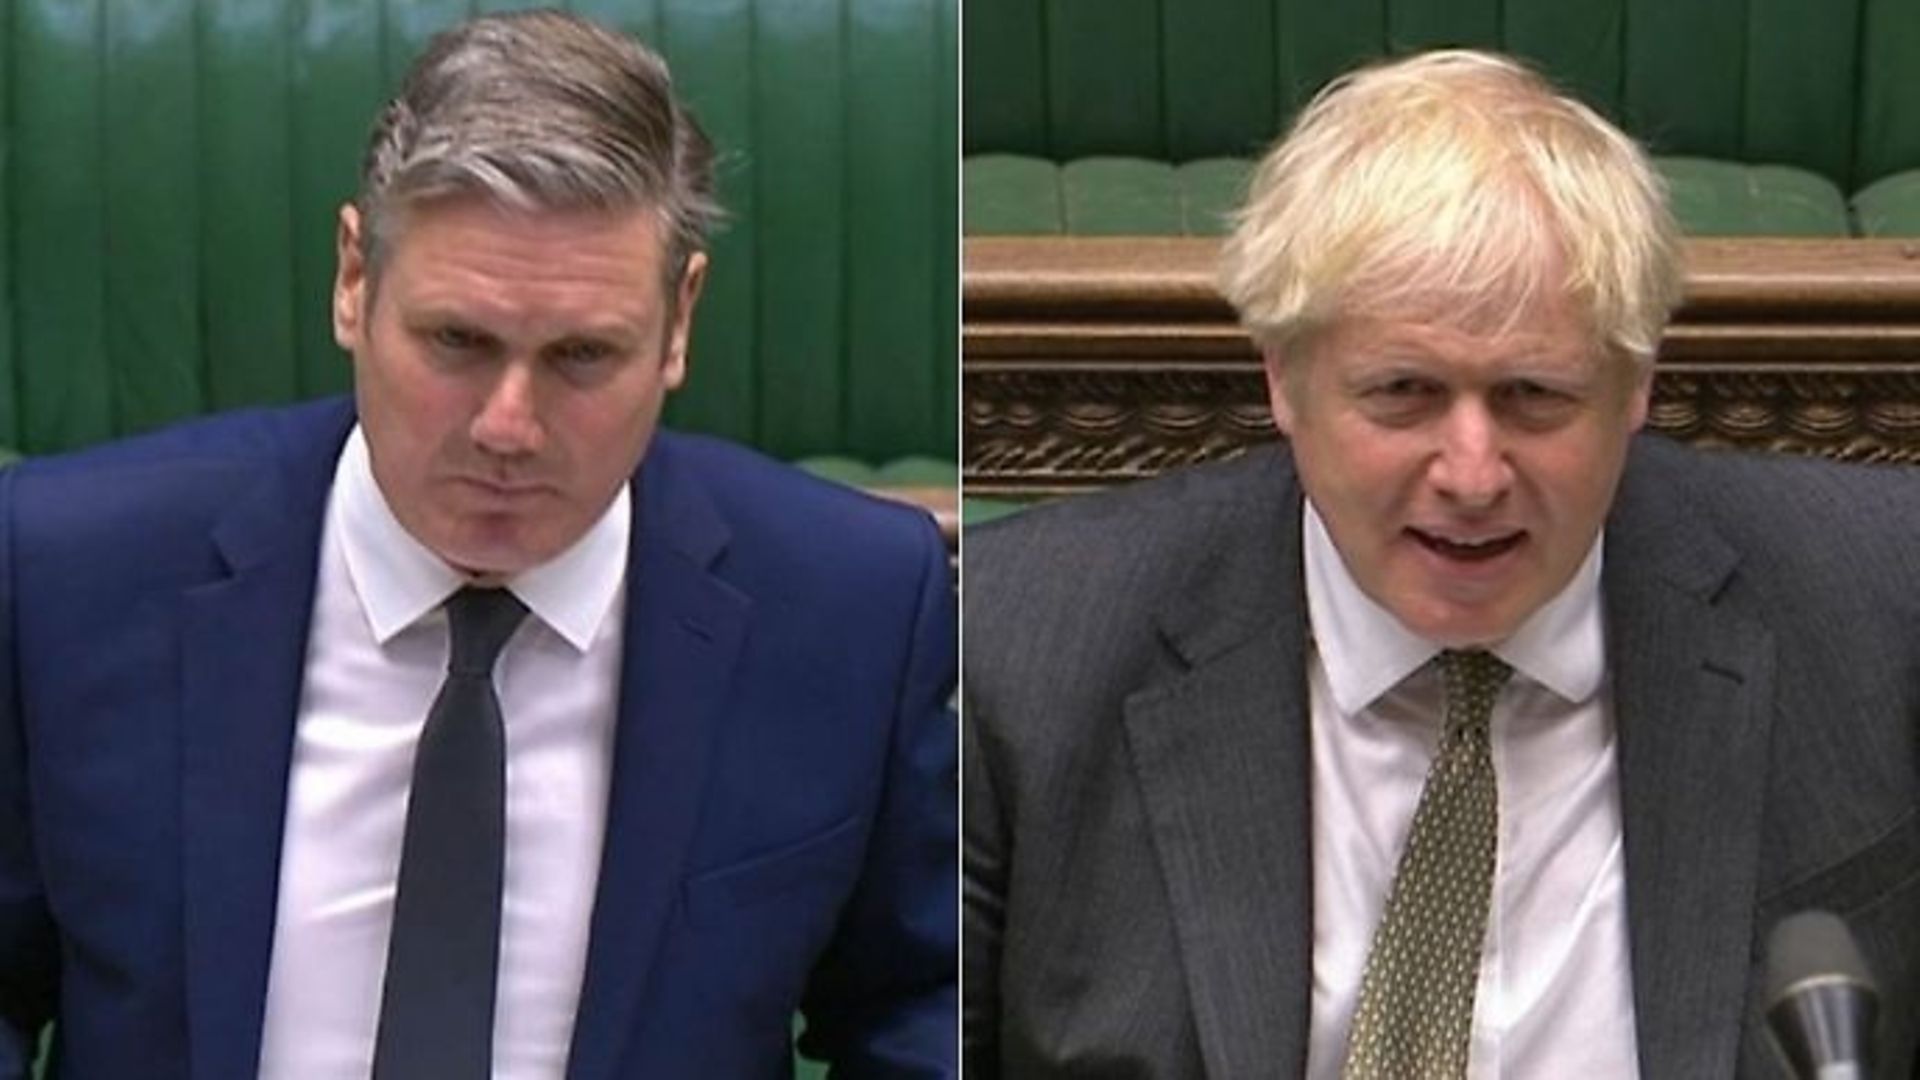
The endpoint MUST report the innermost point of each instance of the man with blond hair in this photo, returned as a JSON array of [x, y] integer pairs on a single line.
[[1467, 732]]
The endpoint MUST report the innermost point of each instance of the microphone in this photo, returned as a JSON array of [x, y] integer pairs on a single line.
[[1821, 1000]]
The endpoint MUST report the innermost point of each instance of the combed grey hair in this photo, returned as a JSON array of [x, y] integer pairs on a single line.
[[539, 110]]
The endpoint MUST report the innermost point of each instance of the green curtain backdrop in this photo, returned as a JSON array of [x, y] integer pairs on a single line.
[[170, 170]]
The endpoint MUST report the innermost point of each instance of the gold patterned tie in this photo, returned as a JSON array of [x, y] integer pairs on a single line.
[[1416, 998]]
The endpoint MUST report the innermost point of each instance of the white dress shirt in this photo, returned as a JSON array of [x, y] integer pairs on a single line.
[[376, 655], [1554, 997]]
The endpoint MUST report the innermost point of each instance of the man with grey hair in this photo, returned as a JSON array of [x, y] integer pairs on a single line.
[[1467, 732], [472, 727]]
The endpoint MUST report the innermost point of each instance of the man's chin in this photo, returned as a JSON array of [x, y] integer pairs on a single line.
[[1455, 626], [485, 579], [1460, 611], [490, 563], [494, 548]]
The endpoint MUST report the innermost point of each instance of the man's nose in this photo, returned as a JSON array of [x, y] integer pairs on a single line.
[[1471, 468], [508, 422]]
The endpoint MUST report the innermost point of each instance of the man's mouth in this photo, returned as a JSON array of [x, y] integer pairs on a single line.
[[504, 488], [1469, 548]]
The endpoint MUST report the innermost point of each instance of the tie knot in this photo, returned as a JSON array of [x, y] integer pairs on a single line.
[[480, 622], [1473, 678]]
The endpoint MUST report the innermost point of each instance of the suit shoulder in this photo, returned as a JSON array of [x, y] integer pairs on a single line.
[[1809, 533], [1781, 499], [171, 475], [242, 437], [1145, 536], [782, 513], [1070, 599], [1745, 469]]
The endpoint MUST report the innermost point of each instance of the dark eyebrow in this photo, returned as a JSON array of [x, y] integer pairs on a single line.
[[609, 337]]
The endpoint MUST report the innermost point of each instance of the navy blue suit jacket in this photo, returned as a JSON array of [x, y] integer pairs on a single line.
[[780, 831]]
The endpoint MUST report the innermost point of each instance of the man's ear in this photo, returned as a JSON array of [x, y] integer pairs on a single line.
[[349, 281], [1277, 363], [1642, 395], [686, 295]]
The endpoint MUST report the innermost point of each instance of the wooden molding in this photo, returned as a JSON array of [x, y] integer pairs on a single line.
[[1087, 361]]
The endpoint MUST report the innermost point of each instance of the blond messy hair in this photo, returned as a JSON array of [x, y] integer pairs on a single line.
[[1459, 182]]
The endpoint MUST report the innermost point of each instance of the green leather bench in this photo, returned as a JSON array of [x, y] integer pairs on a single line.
[[1776, 117], [169, 173], [1016, 195]]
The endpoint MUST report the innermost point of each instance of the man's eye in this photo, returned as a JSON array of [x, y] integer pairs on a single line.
[[1535, 405], [1402, 400], [458, 339], [1528, 394], [1403, 388], [580, 355]]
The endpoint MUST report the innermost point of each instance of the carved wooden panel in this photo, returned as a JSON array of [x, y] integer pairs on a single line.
[[1091, 361]]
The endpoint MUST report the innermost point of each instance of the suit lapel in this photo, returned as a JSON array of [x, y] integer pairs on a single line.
[[1692, 682], [683, 632], [242, 652], [1219, 749]]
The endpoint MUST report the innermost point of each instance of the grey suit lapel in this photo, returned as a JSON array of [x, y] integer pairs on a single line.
[[1691, 680], [1219, 748]]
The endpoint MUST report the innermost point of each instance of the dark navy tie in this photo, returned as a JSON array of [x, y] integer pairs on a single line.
[[436, 1013]]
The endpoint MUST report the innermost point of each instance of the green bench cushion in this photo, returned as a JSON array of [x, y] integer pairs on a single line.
[[1010, 194], [978, 511], [911, 471], [1007, 194], [1827, 86], [1723, 198], [1889, 207]]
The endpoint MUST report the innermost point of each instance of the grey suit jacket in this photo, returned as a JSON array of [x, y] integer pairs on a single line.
[[1137, 876]]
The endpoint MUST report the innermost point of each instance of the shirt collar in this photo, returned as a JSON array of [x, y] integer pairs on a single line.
[[398, 579], [1367, 651]]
